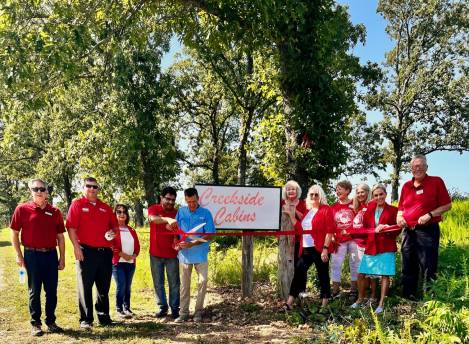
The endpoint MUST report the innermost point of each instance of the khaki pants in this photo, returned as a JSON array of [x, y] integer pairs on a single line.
[[202, 275]]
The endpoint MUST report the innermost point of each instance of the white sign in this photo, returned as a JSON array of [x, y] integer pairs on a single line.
[[242, 207]]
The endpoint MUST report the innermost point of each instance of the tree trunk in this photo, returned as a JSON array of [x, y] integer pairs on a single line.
[[286, 257], [148, 181], [397, 166], [247, 241], [67, 190], [138, 214]]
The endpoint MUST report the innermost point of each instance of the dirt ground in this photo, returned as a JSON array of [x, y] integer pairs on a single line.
[[230, 319]]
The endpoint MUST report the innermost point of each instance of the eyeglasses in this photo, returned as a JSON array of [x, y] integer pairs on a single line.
[[92, 186], [313, 194], [168, 199], [120, 212], [38, 189]]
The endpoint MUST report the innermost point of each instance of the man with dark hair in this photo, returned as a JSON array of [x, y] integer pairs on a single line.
[[423, 200], [42, 227], [91, 226], [163, 255], [193, 252]]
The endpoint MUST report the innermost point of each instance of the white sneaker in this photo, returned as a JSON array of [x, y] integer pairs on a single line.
[[356, 305], [379, 310]]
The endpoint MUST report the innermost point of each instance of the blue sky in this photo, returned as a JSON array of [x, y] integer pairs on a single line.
[[451, 166]]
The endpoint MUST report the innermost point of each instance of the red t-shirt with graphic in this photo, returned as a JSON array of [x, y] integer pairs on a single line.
[[343, 217]]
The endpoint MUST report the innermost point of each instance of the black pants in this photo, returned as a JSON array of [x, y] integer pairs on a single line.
[[96, 268], [307, 258], [42, 269], [419, 256]]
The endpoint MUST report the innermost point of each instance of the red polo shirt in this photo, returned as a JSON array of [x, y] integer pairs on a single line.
[[91, 221], [161, 245], [39, 227], [343, 217], [415, 202]]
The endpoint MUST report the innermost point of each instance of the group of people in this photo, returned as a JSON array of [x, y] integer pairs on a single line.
[[105, 246], [366, 229]]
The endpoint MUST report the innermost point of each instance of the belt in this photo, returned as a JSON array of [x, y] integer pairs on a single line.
[[95, 248], [37, 249]]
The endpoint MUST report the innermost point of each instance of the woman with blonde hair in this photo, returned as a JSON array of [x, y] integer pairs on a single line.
[[379, 260], [315, 247], [360, 202]]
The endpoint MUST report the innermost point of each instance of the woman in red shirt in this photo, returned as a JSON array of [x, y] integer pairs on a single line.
[[380, 252], [126, 248], [315, 247]]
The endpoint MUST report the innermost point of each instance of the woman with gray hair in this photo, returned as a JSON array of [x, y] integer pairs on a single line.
[[294, 207], [315, 247]]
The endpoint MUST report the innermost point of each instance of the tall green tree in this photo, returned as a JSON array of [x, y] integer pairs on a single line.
[[208, 123], [424, 94]]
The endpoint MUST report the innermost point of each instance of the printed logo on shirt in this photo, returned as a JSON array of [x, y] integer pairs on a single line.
[[419, 192], [47, 213], [85, 209], [103, 210], [344, 219], [201, 218]]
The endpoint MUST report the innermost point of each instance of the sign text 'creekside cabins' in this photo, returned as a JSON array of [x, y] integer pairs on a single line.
[[242, 207]]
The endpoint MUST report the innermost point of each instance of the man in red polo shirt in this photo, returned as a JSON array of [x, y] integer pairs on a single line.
[[163, 255], [423, 200], [42, 227], [91, 224]]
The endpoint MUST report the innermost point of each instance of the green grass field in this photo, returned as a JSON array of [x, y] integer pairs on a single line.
[[442, 317]]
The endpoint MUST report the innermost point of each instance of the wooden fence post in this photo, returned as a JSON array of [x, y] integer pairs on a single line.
[[286, 255]]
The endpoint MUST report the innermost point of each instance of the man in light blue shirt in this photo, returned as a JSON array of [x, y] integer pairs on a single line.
[[193, 252]]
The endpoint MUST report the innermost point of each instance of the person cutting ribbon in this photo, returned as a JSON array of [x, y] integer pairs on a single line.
[[193, 252]]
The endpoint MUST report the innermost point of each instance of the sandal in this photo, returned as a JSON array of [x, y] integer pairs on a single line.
[[286, 308]]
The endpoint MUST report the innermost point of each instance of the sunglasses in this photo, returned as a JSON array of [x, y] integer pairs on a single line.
[[92, 186], [314, 194], [121, 212], [38, 189]]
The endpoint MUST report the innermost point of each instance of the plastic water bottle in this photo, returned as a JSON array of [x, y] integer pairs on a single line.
[[22, 275]]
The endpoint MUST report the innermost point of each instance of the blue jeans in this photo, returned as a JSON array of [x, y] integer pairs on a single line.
[[158, 266], [123, 274], [42, 269]]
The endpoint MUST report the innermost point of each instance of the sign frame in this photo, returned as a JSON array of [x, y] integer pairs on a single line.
[[249, 186]]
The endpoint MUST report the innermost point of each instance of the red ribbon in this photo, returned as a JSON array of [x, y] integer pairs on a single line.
[[245, 233]]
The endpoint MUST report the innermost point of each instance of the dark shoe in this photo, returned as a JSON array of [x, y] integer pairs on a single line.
[[197, 317], [161, 314], [53, 328], [175, 315], [36, 331], [285, 308], [84, 325], [106, 321]]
